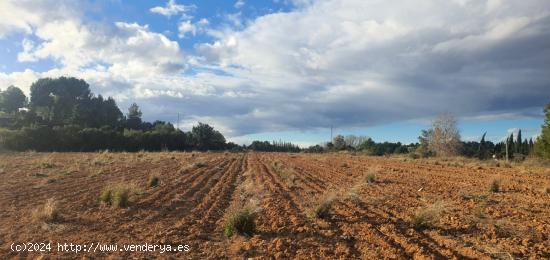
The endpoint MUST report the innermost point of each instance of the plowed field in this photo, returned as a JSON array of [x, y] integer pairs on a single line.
[[425, 209]]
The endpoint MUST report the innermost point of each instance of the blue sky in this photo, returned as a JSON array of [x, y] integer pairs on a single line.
[[289, 69]]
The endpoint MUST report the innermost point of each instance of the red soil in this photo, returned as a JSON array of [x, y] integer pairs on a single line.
[[197, 190]]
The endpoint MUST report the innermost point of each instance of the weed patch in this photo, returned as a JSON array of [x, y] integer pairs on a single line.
[[241, 222], [427, 217], [47, 213], [116, 195]]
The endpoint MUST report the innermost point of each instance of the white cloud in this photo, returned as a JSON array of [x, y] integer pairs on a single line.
[[186, 27], [239, 4], [234, 19], [172, 8], [364, 62], [26, 55], [25, 15], [331, 62], [203, 22], [129, 49], [22, 79]]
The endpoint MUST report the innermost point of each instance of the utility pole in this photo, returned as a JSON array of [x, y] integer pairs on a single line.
[[178, 122], [330, 133]]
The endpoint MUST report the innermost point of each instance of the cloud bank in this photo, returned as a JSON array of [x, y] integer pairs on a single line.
[[330, 62]]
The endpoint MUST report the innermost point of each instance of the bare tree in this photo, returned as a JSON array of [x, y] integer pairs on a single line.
[[354, 141], [444, 137]]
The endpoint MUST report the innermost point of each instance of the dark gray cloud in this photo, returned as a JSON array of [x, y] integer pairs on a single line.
[[332, 62]]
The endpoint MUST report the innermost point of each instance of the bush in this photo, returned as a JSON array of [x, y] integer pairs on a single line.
[[47, 213], [240, 222], [414, 155], [116, 195]]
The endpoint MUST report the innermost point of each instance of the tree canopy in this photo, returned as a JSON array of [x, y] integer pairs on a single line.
[[12, 99], [64, 115]]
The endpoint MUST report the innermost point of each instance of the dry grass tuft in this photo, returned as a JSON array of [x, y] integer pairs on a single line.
[[428, 217], [200, 165], [241, 222], [45, 163], [47, 213], [495, 185], [370, 177], [153, 181], [505, 228], [116, 195], [353, 194], [479, 210], [322, 207]]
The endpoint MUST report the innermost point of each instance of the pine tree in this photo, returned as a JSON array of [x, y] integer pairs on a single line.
[[542, 145]]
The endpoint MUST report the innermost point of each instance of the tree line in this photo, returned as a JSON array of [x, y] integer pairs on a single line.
[[443, 139], [62, 114]]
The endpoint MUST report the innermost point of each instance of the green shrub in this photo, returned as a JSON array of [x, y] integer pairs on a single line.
[[240, 222], [153, 181], [414, 155], [106, 196], [370, 177], [116, 195]]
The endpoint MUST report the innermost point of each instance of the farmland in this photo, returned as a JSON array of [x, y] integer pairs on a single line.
[[380, 207]]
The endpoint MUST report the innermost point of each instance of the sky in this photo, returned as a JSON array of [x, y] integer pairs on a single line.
[[291, 69]]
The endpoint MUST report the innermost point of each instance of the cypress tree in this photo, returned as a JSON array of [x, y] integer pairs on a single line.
[[481, 153], [518, 142], [511, 147]]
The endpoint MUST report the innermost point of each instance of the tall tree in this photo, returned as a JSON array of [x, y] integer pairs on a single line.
[[339, 142], [96, 112], [542, 145], [482, 153], [12, 99], [206, 138], [445, 136], [134, 117], [518, 142], [511, 147], [55, 99]]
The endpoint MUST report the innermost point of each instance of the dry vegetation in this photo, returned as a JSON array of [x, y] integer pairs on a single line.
[[47, 213], [271, 205]]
